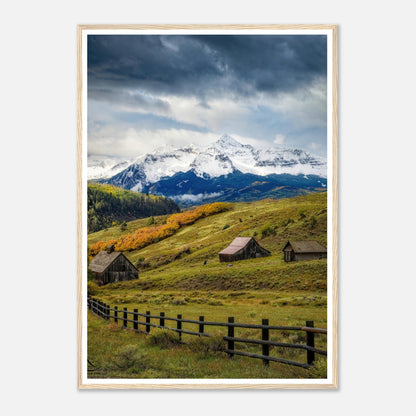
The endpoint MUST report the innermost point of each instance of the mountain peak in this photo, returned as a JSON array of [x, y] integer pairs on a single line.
[[228, 140]]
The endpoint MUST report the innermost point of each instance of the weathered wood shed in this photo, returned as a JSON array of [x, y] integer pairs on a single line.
[[243, 248], [111, 266], [304, 250]]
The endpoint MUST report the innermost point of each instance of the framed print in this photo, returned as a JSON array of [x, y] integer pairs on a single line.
[[207, 207]]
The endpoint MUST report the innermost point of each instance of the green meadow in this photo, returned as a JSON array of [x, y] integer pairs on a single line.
[[182, 275]]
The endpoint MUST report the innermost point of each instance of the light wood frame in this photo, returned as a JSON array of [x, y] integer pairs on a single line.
[[262, 383]]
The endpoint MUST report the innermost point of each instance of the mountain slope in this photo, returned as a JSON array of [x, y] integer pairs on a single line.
[[189, 188], [219, 164], [108, 205], [179, 261]]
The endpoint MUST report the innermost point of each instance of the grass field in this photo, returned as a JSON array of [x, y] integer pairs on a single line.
[[182, 275]]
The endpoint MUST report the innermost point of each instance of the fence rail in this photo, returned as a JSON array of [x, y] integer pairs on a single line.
[[104, 311]]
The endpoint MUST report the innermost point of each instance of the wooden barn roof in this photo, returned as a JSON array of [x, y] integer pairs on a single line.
[[238, 244], [102, 260], [306, 247]]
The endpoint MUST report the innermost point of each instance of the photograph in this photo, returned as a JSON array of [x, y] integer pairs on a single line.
[[207, 206]]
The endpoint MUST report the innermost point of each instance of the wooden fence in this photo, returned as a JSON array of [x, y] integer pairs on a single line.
[[106, 312]]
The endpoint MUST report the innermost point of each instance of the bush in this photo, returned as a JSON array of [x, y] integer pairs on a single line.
[[163, 338], [92, 288], [319, 369], [267, 230], [179, 301], [208, 345], [215, 302], [129, 356], [286, 222], [182, 251], [302, 214]]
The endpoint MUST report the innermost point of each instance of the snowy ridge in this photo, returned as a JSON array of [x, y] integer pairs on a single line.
[[103, 167], [221, 158]]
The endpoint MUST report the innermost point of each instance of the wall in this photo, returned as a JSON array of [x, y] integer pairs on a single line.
[[376, 175]]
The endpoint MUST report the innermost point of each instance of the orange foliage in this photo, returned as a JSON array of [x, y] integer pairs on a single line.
[[148, 235]]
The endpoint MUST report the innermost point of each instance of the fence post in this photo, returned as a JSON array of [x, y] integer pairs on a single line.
[[135, 318], [201, 326], [310, 342], [265, 337], [179, 327], [162, 319], [125, 317], [116, 314], [147, 321], [231, 334], [89, 303], [107, 311], [93, 305], [100, 314]]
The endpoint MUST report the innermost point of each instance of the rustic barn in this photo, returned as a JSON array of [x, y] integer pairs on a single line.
[[111, 266], [243, 248], [303, 250]]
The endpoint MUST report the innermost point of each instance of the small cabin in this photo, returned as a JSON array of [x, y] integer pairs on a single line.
[[110, 266], [303, 250], [242, 248]]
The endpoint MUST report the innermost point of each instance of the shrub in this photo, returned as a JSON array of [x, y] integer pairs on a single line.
[[140, 261], [302, 214], [214, 302], [208, 345], [92, 288], [267, 230], [319, 369], [286, 222], [129, 356], [126, 357], [163, 338], [181, 252], [179, 301]]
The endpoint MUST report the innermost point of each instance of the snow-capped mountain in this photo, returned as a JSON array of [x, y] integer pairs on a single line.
[[224, 170], [103, 167], [223, 157]]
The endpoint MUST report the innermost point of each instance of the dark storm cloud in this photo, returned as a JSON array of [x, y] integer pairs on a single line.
[[204, 66], [129, 99]]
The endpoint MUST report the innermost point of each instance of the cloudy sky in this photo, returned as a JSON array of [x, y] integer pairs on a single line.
[[145, 91]]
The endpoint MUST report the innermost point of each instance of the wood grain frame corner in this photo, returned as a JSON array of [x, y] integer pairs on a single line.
[[262, 384]]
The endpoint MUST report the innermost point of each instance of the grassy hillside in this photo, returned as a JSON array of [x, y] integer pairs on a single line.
[[174, 261], [182, 274]]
